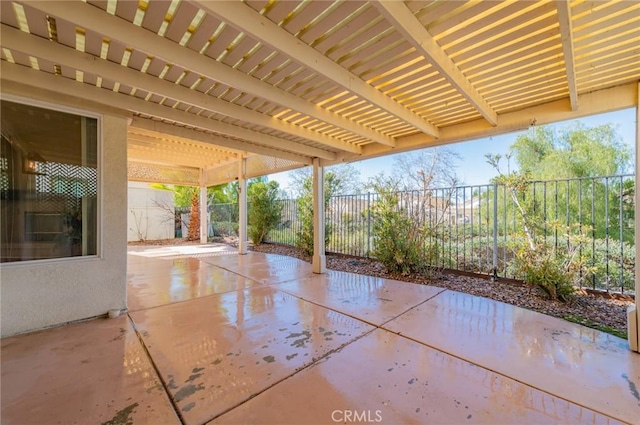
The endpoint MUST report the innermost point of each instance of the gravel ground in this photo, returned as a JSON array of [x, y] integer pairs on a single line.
[[602, 312]]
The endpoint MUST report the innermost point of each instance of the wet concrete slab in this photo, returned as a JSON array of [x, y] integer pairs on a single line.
[[217, 352], [273, 270], [93, 372], [196, 280], [161, 267], [582, 365], [251, 257], [404, 382], [180, 251], [371, 299], [289, 346]]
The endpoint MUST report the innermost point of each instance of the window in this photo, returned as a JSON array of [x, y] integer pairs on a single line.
[[48, 183]]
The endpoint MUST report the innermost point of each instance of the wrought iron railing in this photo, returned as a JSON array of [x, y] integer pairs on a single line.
[[474, 228]]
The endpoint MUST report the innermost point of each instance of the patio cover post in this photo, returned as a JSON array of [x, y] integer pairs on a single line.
[[319, 258], [204, 216], [242, 204], [633, 314]]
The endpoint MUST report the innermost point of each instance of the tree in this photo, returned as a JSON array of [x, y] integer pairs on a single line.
[[265, 212], [428, 179], [399, 235], [516, 185], [332, 185], [186, 196], [557, 269], [183, 195], [346, 179], [189, 197], [577, 151], [427, 169], [222, 194], [194, 216]]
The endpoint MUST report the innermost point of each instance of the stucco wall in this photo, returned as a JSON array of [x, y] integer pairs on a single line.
[[149, 213], [42, 294]]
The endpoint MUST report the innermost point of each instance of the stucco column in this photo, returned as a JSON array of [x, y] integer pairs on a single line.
[[633, 316], [204, 215], [242, 204], [319, 258]]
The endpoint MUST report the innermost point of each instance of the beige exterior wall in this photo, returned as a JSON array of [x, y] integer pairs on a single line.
[[40, 294], [148, 214]]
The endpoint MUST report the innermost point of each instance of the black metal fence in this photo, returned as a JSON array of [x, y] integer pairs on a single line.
[[475, 228]]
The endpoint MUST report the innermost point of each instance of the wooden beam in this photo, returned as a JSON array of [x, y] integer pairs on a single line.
[[598, 102], [115, 28], [566, 33], [245, 19], [198, 154], [164, 166], [187, 134], [176, 144], [169, 160], [65, 86], [400, 16], [16, 40], [141, 142], [134, 131]]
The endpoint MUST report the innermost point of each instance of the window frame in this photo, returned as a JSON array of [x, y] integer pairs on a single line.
[[100, 164]]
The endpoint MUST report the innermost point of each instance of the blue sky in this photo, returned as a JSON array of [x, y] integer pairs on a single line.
[[472, 168]]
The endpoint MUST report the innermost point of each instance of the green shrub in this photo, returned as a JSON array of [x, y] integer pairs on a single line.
[[224, 228], [542, 267], [286, 236], [348, 241], [265, 212], [621, 263], [556, 269], [304, 240], [399, 237]]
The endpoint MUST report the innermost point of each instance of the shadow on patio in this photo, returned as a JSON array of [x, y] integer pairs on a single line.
[[260, 339]]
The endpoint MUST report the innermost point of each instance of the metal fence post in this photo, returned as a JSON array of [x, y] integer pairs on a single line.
[[495, 232]]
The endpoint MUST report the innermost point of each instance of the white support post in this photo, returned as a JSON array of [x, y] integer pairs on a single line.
[[242, 203], [633, 314], [319, 258], [204, 215]]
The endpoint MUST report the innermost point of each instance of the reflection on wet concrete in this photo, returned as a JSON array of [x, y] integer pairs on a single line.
[[180, 280], [93, 372], [371, 299], [240, 342], [404, 382], [258, 338], [559, 357]]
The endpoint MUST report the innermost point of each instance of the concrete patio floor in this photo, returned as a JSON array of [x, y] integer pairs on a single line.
[[214, 337]]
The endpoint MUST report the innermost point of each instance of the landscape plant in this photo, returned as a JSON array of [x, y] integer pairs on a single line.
[[193, 233], [398, 236], [265, 212], [579, 152], [304, 238], [556, 271]]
